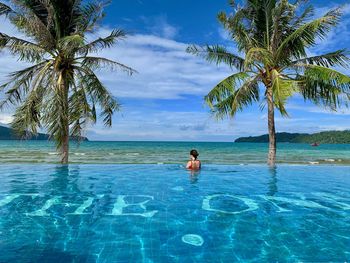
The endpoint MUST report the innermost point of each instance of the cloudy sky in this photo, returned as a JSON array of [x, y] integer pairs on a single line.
[[164, 101]]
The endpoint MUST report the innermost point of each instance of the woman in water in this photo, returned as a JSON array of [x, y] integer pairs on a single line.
[[193, 163]]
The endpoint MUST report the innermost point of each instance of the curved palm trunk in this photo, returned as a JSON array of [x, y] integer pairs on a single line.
[[271, 160], [65, 147], [64, 123]]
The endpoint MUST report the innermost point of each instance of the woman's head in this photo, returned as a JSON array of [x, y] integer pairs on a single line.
[[194, 153]]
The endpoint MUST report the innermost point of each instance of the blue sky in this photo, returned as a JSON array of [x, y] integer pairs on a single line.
[[164, 101]]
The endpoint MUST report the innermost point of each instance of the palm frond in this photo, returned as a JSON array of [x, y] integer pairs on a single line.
[[282, 14], [25, 50], [34, 23], [55, 118], [20, 83], [328, 75], [336, 58], [256, 57], [218, 55], [98, 62], [80, 113], [308, 34], [55, 115], [237, 29], [27, 116], [98, 94], [5, 9], [323, 85], [282, 89], [305, 15], [103, 43], [225, 88], [91, 14], [241, 97], [71, 43]]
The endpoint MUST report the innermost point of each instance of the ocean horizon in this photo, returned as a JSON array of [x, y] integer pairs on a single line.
[[173, 152]]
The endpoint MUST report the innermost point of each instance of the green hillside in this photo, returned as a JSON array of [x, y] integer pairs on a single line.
[[327, 137], [9, 134]]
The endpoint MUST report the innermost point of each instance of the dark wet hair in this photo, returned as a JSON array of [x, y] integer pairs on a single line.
[[194, 153]]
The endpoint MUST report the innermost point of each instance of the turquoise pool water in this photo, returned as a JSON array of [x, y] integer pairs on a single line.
[[162, 213]]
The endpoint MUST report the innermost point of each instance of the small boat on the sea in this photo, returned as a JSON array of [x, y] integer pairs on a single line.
[[315, 144]]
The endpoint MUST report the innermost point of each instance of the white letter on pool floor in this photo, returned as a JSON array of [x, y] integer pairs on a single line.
[[86, 204], [8, 199], [42, 212], [249, 202], [120, 204]]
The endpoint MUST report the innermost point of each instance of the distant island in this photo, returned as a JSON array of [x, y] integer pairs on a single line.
[[9, 134], [327, 137]]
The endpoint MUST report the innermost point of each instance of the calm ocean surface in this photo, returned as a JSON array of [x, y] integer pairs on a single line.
[[172, 152]]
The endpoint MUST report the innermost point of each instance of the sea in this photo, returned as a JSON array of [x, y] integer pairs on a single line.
[[150, 152]]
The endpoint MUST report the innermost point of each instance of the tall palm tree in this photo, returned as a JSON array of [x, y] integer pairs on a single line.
[[60, 91], [274, 37]]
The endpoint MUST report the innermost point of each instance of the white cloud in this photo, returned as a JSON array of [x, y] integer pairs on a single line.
[[5, 118], [166, 71], [144, 124], [311, 108], [159, 26], [334, 127]]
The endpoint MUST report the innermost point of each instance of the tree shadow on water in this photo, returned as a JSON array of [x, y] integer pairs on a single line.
[[63, 180], [272, 184]]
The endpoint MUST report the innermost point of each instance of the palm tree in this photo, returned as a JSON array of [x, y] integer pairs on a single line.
[[60, 92], [274, 37]]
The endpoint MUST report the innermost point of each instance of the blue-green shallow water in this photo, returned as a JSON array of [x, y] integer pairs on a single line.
[[142, 213], [172, 152]]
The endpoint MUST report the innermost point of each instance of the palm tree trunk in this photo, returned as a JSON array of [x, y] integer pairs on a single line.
[[271, 127], [65, 123], [65, 147]]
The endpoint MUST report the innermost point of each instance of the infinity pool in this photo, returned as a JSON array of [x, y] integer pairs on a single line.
[[162, 213]]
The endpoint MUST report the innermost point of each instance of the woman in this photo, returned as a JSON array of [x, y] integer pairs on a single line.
[[193, 163]]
